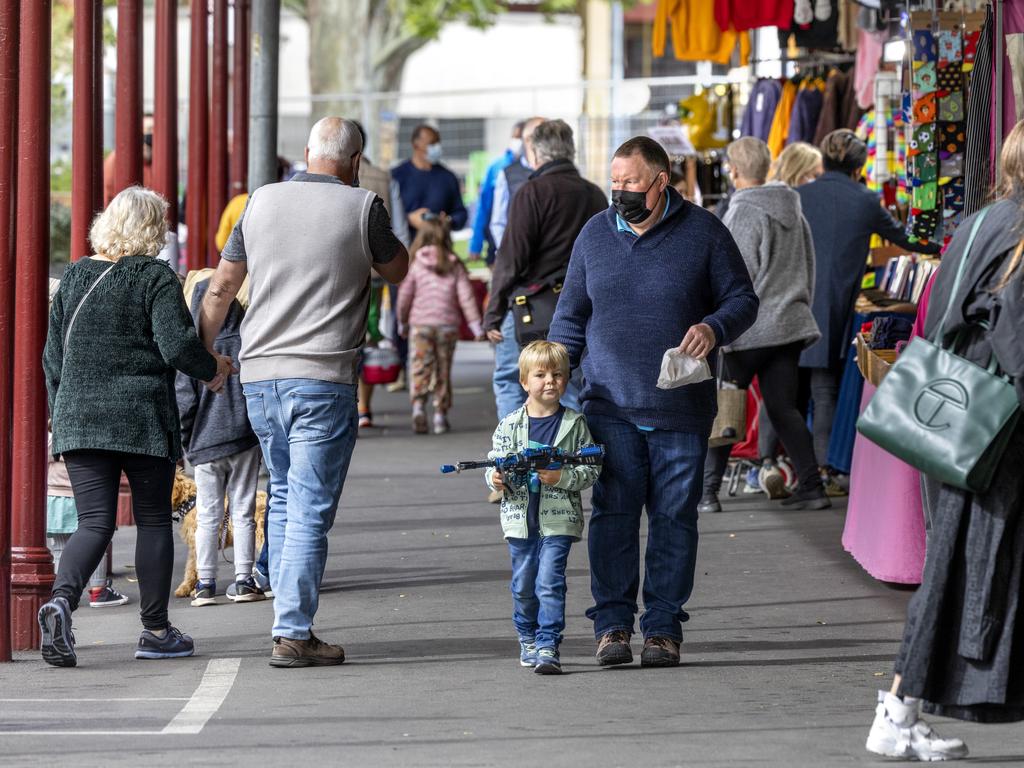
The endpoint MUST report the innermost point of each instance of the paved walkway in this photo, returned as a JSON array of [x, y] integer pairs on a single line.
[[788, 641]]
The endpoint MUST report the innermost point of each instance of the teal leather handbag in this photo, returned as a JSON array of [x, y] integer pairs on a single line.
[[940, 413]]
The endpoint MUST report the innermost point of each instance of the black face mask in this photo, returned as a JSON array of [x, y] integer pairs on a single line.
[[632, 206]]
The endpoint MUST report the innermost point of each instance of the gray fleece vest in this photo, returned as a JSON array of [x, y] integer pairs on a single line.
[[308, 258]]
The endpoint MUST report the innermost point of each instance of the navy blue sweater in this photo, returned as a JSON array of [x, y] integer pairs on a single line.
[[436, 190], [627, 299]]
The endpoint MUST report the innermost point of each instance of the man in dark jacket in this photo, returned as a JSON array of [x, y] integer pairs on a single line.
[[843, 215], [544, 219], [225, 452], [651, 274]]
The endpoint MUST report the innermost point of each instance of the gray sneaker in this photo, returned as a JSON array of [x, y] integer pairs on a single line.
[[245, 591], [58, 646]]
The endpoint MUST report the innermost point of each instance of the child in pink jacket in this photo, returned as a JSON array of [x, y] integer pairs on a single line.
[[429, 303]]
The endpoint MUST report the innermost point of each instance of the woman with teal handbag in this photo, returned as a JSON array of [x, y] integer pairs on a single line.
[[961, 650]]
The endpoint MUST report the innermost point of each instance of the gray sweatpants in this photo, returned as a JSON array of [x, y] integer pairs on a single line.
[[236, 477], [57, 542]]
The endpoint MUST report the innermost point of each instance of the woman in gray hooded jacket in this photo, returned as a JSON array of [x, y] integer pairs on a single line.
[[767, 223]]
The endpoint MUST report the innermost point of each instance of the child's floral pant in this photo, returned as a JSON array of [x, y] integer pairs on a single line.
[[433, 347]]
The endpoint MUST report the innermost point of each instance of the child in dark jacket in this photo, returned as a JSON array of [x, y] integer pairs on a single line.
[[225, 453]]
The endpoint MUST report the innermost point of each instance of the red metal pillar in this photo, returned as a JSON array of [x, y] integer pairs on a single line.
[[128, 127], [85, 162], [128, 101], [31, 563], [8, 163], [218, 127], [165, 112], [198, 124], [98, 125], [240, 101]]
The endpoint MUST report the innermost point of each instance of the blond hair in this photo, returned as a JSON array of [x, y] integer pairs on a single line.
[[134, 224], [796, 162], [543, 354], [1011, 187]]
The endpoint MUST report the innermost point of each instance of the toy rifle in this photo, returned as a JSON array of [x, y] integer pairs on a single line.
[[519, 469]]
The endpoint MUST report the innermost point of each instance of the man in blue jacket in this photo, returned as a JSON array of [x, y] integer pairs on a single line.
[[485, 203], [651, 273]]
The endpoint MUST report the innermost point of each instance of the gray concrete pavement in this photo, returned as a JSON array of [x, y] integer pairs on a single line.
[[787, 643]]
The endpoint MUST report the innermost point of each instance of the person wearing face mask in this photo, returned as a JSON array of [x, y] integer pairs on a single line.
[[651, 273], [544, 218], [426, 186], [485, 203]]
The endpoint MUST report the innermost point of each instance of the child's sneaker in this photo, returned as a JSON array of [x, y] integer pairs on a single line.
[[205, 593], [106, 597], [547, 662], [58, 644], [440, 424], [173, 645], [753, 482], [365, 420], [419, 423], [898, 731], [246, 591], [772, 481], [527, 654]]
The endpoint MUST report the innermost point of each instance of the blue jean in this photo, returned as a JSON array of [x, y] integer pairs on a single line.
[[307, 430], [509, 394], [538, 588], [663, 471], [263, 558]]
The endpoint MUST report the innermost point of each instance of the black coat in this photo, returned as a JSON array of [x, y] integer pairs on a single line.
[[843, 215], [545, 217]]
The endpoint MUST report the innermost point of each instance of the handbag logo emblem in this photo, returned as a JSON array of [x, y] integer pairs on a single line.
[[931, 409]]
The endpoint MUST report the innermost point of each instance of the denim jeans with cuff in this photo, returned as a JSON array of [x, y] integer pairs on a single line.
[[538, 588], [307, 430], [663, 471]]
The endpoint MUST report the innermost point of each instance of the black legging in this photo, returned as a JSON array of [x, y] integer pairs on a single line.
[[95, 478], [776, 370]]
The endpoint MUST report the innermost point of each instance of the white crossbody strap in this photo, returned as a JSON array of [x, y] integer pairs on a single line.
[[67, 333]]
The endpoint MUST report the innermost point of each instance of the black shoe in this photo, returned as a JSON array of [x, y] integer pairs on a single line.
[[173, 645], [245, 591], [814, 498], [709, 504], [613, 648], [58, 645], [660, 651]]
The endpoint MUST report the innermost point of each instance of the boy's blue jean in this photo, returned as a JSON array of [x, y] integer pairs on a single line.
[[663, 471], [538, 588], [307, 430]]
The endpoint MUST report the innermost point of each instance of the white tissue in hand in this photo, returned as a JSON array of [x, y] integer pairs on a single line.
[[679, 369]]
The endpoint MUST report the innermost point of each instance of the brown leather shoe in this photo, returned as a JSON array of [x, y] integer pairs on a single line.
[[660, 652], [305, 653], [613, 648]]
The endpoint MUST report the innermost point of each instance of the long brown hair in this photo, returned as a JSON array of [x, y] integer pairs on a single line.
[[1011, 187], [434, 232]]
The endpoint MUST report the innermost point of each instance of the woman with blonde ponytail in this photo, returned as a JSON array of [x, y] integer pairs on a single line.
[[962, 645]]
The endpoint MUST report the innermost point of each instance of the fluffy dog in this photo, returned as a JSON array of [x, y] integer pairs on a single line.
[[183, 503]]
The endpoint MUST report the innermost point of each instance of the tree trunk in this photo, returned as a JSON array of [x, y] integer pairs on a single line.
[[358, 48]]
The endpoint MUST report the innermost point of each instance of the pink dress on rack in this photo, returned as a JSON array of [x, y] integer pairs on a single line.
[[884, 518]]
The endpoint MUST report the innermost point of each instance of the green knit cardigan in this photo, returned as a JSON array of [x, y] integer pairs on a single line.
[[113, 387]]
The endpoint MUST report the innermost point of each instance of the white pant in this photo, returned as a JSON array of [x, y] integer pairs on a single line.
[[236, 477]]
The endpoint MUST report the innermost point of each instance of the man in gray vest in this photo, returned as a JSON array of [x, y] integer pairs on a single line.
[[308, 245]]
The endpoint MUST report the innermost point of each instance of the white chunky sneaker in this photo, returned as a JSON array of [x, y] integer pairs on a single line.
[[898, 731]]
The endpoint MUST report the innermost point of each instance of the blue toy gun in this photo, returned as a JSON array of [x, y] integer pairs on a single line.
[[520, 469]]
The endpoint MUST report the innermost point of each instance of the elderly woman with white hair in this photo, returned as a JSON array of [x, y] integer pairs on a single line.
[[119, 329]]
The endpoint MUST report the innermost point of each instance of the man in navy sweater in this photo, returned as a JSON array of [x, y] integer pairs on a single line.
[[426, 186], [651, 273]]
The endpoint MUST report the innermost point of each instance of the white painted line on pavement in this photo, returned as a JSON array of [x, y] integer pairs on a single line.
[[215, 686], [213, 689], [51, 701]]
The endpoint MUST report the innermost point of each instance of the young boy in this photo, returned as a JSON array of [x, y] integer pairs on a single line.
[[541, 526], [220, 444]]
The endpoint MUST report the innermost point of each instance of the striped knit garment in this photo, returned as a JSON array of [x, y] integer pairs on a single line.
[[978, 176]]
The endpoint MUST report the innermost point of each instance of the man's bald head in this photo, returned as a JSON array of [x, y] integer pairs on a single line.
[[334, 148]]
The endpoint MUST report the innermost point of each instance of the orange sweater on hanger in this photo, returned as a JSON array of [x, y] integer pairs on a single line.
[[695, 34], [780, 123]]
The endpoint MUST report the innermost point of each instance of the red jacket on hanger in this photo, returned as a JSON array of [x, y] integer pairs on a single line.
[[742, 15]]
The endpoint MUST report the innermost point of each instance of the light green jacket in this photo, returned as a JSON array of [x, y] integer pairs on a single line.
[[561, 510]]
